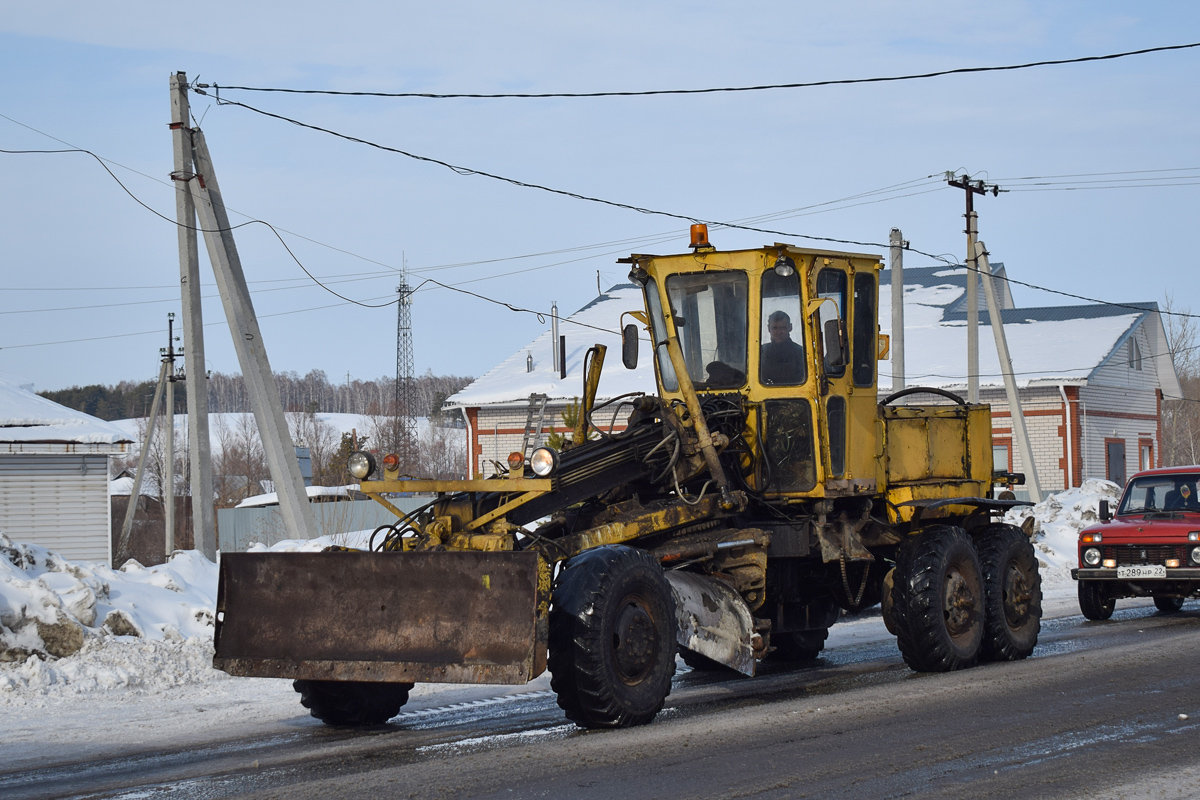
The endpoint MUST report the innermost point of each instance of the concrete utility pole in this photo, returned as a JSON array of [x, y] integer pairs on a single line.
[[972, 188], [897, 256], [168, 354], [199, 445], [247, 338], [1020, 433]]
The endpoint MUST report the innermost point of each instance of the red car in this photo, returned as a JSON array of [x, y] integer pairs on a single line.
[[1151, 548]]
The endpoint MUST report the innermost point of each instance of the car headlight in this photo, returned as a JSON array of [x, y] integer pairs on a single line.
[[1196, 555], [1091, 556], [543, 461], [360, 464]]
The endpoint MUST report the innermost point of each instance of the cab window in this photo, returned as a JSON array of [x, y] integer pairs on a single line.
[[831, 287], [866, 327], [782, 358], [658, 331], [710, 319]]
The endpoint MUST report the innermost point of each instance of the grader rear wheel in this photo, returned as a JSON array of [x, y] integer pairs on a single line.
[[798, 645], [352, 703], [938, 600], [1014, 593]]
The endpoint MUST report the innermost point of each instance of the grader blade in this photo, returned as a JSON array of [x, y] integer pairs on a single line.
[[445, 617]]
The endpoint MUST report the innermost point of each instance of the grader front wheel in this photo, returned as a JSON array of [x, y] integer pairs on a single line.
[[938, 600], [612, 638]]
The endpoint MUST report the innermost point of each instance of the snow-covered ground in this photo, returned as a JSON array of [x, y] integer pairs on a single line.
[[141, 646]]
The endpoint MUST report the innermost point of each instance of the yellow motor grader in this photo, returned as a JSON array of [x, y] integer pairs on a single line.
[[762, 491]]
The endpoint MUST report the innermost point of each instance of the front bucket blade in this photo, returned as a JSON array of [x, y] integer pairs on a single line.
[[447, 617], [713, 620]]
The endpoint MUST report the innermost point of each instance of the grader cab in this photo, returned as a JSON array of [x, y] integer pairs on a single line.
[[764, 490]]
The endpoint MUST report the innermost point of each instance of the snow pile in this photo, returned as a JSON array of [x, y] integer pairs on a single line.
[[356, 539], [51, 608], [1058, 520]]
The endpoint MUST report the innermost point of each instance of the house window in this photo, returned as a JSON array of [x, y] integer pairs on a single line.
[[1000, 457], [1145, 454], [1135, 355], [1114, 460]]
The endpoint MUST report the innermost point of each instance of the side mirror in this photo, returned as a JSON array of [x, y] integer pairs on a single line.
[[835, 348], [1105, 511], [629, 346]]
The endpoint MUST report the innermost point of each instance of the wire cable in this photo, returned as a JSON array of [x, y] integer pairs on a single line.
[[711, 90]]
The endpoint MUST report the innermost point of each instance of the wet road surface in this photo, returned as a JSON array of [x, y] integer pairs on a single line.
[[1098, 706]]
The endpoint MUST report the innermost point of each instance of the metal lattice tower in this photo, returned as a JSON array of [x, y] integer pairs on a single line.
[[406, 394]]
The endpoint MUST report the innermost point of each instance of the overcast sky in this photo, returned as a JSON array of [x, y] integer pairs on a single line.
[[88, 276]]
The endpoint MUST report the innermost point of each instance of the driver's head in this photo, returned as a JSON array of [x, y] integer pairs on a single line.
[[779, 324]]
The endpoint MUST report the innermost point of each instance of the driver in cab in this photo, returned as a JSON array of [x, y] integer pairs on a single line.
[[782, 360]]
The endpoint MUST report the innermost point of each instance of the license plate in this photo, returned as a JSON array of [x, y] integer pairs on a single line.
[[1142, 571]]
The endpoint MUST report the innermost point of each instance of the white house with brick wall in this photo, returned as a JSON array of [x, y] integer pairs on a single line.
[[1091, 377], [54, 473]]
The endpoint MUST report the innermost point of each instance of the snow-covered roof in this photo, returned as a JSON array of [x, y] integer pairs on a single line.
[[1048, 345], [599, 322], [272, 498], [30, 418], [123, 487]]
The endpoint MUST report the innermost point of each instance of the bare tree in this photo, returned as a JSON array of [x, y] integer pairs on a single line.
[[321, 439], [1181, 415], [241, 467]]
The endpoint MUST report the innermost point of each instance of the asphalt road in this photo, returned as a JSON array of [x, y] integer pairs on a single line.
[[1095, 713]]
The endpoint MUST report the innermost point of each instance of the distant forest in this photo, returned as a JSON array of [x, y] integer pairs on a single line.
[[227, 393]]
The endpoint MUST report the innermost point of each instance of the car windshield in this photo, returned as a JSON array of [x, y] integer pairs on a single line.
[[1161, 493]]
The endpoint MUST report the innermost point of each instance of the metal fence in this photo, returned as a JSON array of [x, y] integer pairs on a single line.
[[238, 528]]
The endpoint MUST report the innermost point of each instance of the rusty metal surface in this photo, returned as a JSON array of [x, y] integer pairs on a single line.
[[489, 485], [713, 620], [451, 617]]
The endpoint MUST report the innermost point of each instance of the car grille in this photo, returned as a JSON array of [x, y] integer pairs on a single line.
[[1144, 553]]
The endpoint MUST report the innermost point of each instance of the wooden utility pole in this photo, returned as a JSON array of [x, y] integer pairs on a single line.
[[972, 188], [136, 492], [199, 445]]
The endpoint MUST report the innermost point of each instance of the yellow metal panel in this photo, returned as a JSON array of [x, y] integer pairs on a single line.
[[979, 424], [947, 447], [907, 450]]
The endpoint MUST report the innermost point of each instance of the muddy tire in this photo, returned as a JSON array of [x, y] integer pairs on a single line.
[[612, 638], [352, 703], [798, 646], [1094, 602], [938, 597], [1168, 605], [1013, 590]]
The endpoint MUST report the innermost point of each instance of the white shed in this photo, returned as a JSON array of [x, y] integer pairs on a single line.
[[54, 473]]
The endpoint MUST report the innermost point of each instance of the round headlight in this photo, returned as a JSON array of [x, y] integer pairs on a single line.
[[1196, 555], [360, 464], [543, 461], [1091, 556]]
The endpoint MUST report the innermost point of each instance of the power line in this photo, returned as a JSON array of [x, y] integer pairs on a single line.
[[467, 171], [711, 90]]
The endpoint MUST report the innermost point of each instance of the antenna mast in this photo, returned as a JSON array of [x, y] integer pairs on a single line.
[[406, 401]]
